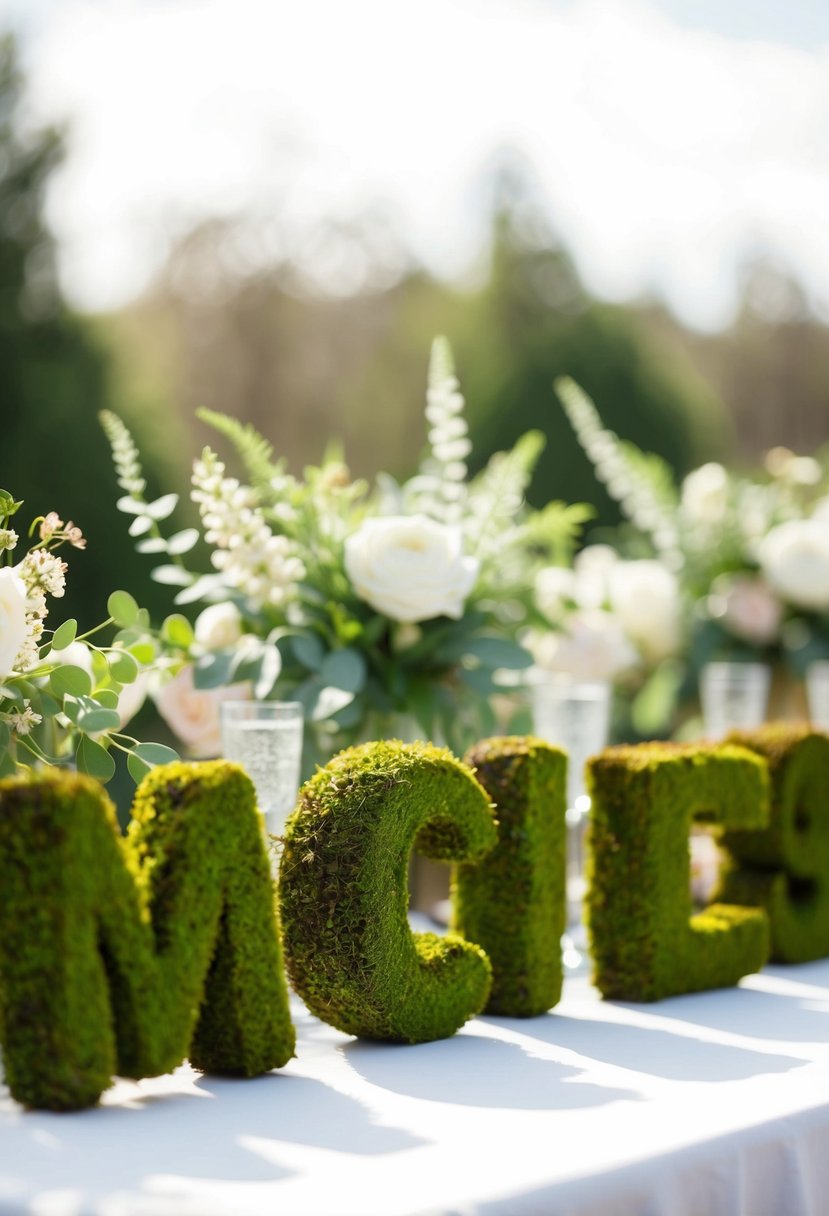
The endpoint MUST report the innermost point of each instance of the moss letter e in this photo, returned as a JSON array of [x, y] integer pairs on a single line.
[[785, 869], [645, 943], [344, 893], [513, 902], [126, 956]]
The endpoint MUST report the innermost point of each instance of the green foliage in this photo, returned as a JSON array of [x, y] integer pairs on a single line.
[[254, 450], [512, 903], [784, 868], [644, 942], [344, 893], [123, 956]]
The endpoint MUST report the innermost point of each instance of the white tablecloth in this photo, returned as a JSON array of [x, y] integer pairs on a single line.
[[715, 1104]]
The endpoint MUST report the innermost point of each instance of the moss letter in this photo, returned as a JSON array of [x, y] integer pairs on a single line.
[[513, 902], [645, 943], [785, 868], [123, 956], [343, 890]]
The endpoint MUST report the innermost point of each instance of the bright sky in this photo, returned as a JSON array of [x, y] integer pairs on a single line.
[[669, 139]]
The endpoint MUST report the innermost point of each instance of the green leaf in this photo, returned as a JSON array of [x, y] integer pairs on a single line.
[[94, 760], [122, 608], [145, 756], [5, 737], [8, 768], [123, 667], [309, 650], [171, 576], [182, 542], [107, 697], [344, 669], [162, 508], [8, 692], [73, 681], [64, 635], [177, 631], [92, 720], [493, 652], [213, 670], [8, 506], [140, 525]]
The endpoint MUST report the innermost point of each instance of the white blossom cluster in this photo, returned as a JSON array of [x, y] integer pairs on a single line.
[[440, 490], [42, 573], [253, 561]]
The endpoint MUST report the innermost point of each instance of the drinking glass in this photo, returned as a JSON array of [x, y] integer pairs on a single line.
[[734, 697], [265, 737], [817, 689], [575, 715]]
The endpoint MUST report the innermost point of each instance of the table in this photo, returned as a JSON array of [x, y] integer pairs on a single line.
[[715, 1104]]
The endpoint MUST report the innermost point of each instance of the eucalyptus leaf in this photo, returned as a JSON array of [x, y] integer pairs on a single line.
[[154, 753], [93, 720], [64, 635], [122, 608], [213, 670], [494, 652], [309, 650], [123, 667], [94, 760], [177, 630], [72, 680], [345, 669], [107, 697], [142, 652]]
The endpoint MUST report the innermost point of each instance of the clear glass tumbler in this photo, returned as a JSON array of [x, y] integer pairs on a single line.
[[734, 697], [817, 690], [574, 715], [265, 737]]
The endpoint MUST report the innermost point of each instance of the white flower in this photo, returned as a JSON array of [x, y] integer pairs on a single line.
[[219, 626], [13, 624], [593, 646], [705, 495], [193, 713], [410, 568], [8, 538], [821, 510], [592, 567], [555, 588], [22, 721], [645, 597], [43, 571], [795, 560], [746, 605], [76, 654]]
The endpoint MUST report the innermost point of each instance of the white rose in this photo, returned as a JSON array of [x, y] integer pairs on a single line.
[[76, 654], [193, 713], [554, 587], [219, 626], [705, 495], [593, 646], [645, 597], [795, 560], [410, 568], [747, 606], [593, 566], [12, 620]]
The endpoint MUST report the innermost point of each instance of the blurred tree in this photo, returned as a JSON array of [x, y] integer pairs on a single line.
[[55, 372]]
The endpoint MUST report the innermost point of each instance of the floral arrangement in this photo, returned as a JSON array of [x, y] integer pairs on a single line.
[[749, 555], [65, 699], [366, 604]]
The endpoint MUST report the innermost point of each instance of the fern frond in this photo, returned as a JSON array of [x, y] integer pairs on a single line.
[[439, 488], [496, 495], [253, 449], [641, 482]]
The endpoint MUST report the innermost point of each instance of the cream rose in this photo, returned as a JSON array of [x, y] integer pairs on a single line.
[[193, 713], [592, 646], [705, 495], [12, 619], [795, 560], [219, 626], [645, 597], [410, 568]]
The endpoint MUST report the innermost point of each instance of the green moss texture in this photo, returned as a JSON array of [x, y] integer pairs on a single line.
[[645, 942], [125, 955], [344, 892], [785, 867], [513, 903]]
